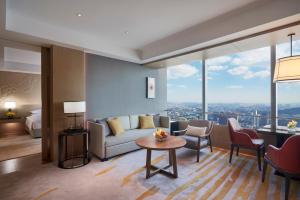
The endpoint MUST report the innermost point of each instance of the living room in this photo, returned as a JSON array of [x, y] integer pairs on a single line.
[[156, 100]]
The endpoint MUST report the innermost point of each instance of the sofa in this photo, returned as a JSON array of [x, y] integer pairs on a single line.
[[104, 145]]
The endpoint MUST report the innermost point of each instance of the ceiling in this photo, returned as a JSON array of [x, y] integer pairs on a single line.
[[139, 31], [127, 23], [273, 38]]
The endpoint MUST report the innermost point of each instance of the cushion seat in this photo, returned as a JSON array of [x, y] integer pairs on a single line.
[[192, 142], [129, 135], [257, 141]]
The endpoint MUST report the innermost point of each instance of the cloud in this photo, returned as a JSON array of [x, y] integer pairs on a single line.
[[181, 71], [235, 87], [218, 61], [256, 57], [259, 74], [216, 68], [246, 73], [241, 70], [181, 86]]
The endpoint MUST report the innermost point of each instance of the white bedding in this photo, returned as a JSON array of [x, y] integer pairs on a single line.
[[33, 122]]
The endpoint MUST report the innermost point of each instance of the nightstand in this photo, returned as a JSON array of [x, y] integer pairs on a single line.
[[12, 127], [72, 161]]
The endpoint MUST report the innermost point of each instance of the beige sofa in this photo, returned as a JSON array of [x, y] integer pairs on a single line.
[[105, 145]]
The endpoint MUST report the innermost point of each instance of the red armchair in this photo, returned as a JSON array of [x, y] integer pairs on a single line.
[[286, 160], [244, 138]]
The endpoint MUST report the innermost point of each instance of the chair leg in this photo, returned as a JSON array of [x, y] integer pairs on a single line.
[[211, 150], [198, 149], [231, 152], [263, 151], [264, 171], [237, 151], [258, 159], [287, 187]]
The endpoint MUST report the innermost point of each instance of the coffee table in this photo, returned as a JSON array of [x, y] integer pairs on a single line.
[[170, 144]]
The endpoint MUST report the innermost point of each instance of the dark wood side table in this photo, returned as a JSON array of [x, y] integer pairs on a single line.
[[171, 144], [63, 159], [12, 127]]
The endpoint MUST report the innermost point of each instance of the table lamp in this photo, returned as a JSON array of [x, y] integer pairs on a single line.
[[10, 105], [74, 107]]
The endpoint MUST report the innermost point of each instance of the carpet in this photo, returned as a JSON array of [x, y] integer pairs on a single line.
[[18, 146], [123, 178]]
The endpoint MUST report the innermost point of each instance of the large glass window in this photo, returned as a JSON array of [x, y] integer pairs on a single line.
[[239, 86], [288, 94], [185, 91]]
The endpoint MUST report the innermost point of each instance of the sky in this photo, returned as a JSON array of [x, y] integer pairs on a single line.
[[237, 78]]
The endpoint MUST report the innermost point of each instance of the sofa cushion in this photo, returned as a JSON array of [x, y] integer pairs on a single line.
[[134, 121], [115, 126], [146, 122], [106, 130], [125, 122], [128, 136]]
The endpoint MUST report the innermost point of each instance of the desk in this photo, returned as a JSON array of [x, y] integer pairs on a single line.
[[281, 135]]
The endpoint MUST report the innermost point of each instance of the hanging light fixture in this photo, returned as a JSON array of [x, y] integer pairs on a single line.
[[287, 69]]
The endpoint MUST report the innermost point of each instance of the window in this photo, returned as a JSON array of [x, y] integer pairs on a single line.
[[239, 86], [185, 91], [288, 94]]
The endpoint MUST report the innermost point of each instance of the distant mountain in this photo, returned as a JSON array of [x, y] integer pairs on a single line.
[[289, 111]]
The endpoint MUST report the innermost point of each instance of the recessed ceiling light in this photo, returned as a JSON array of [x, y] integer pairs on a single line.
[[79, 14], [126, 32]]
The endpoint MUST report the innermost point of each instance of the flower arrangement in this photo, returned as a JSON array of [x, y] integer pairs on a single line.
[[160, 135], [292, 124], [10, 114]]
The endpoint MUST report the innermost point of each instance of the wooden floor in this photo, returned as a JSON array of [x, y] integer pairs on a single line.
[[14, 146]]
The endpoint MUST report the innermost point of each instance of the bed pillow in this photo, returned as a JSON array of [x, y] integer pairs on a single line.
[[37, 111]]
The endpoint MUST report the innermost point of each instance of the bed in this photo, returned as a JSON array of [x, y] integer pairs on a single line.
[[33, 124]]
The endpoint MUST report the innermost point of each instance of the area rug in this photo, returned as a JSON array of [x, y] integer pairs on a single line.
[[123, 178]]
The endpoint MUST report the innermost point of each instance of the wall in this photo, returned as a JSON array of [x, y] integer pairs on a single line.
[[117, 87], [67, 83], [23, 88]]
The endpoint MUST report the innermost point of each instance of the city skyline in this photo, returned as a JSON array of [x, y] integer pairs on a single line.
[[237, 78]]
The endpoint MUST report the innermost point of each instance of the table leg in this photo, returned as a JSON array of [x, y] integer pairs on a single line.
[[148, 163], [170, 157], [174, 162]]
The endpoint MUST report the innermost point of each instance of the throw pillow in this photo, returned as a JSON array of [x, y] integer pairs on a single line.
[[195, 131], [105, 125], [115, 126], [146, 122]]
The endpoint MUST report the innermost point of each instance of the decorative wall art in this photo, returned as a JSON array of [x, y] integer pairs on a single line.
[[150, 88]]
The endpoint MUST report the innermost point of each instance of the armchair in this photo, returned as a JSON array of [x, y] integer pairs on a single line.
[[286, 160], [244, 138], [199, 140]]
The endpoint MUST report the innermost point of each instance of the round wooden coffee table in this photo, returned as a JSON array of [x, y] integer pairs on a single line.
[[170, 144]]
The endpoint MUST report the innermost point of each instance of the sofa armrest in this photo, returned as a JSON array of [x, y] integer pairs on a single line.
[[165, 121], [97, 139]]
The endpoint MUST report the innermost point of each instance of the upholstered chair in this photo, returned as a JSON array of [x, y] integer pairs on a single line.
[[245, 138], [286, 160], [196, 138]]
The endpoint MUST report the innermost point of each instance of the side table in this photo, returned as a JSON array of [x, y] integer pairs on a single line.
[[67, 162]]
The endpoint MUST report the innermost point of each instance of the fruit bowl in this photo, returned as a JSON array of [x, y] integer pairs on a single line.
[[160, 135]]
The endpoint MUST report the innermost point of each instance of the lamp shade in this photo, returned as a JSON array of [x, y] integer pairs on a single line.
[[74, 106], [10, 104], [287, 69]]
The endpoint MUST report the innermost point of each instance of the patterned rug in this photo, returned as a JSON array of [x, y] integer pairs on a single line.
[[124, 178]]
